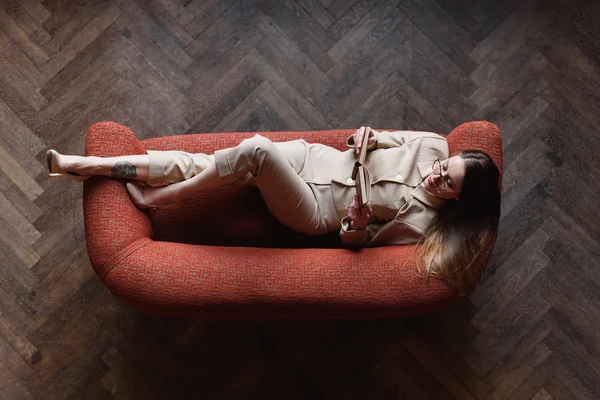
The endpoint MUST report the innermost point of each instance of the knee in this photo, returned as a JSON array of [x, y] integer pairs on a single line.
[[257, 144], [185, 163]]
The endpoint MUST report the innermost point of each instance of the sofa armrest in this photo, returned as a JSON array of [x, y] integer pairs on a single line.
[[243, 282], [485, 136], [482, 135], [114, 226]]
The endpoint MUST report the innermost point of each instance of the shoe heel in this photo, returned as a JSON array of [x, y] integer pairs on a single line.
[[72, 175]]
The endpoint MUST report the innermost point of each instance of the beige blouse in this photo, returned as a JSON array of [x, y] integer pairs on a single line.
[[402, 209]]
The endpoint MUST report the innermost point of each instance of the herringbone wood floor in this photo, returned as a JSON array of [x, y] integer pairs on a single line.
[[178, 66]]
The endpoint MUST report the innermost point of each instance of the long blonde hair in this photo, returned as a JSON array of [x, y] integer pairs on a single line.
[[459, 236]]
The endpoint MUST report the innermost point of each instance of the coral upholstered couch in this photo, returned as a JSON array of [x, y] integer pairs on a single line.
[[224, 256]]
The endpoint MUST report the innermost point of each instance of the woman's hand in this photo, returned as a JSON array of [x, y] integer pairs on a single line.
[[359, 217], [358, 138]]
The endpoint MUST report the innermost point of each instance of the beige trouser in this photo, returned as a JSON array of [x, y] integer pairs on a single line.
[[273, 167]]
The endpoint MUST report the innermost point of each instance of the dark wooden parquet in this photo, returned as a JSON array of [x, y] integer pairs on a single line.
[[167, 67]]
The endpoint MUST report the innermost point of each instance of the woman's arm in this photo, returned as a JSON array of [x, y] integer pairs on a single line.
[[385, 139], [392, 233], [355, 223], [356, 231], [356, 237], [389, 139]]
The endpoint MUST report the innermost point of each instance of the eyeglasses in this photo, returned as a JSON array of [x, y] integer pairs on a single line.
[[439, 173]]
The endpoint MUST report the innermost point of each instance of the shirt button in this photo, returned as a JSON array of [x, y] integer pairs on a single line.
[[399, 177], [350, 180]]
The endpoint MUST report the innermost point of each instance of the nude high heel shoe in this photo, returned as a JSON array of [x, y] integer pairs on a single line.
[[137, 195], [55, 170]]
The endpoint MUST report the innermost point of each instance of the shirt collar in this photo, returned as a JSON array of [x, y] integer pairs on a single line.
[[421, 193]]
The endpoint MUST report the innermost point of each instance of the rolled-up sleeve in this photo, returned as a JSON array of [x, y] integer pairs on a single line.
[[358, 237], [386, 140], [392, 233], [352, 237]]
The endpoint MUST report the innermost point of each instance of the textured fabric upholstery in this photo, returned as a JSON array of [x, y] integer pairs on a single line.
[[224, 256]]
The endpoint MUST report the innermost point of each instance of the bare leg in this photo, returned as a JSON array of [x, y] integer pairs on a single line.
[[137, 167], [206, 180], [125, 167]]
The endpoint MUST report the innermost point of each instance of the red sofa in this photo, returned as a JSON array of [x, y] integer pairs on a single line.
[[224, 256]]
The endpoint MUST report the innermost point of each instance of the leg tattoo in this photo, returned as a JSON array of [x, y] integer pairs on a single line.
[[123, 169]]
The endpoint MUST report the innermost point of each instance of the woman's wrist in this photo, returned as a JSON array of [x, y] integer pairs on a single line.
[[351, 226]]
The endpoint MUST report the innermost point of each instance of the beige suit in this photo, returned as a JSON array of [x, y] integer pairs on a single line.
[[307, 186]]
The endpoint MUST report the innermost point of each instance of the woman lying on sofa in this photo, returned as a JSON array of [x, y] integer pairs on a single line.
[[419, 192]]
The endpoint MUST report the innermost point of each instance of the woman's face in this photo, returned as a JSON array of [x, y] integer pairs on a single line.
[[446, 178]]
